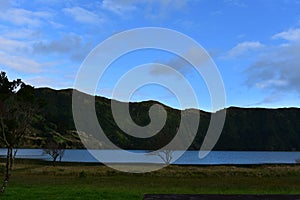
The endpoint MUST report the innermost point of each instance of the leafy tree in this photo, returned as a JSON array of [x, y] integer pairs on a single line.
[[16, 111]]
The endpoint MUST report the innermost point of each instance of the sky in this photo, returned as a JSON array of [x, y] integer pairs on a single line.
[[254, 44]]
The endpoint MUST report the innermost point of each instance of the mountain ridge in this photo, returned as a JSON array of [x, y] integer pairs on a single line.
[[249, 129]]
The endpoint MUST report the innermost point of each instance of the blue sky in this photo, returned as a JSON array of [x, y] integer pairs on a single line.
[[255, 44]]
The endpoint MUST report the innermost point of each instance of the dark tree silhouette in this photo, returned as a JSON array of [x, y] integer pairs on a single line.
[[55, 149], [16, 110], [165, 154]]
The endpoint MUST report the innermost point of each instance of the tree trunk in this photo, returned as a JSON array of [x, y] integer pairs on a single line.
[[54, 160], [14, 154], [9, 160]]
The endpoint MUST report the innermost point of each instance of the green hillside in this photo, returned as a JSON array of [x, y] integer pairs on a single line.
[[245, 128]]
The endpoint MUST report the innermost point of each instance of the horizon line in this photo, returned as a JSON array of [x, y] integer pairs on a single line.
[[166, 105]]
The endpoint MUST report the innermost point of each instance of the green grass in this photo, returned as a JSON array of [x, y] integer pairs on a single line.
[[77, 181]]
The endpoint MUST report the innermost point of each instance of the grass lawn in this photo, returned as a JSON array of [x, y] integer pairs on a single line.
[[39, 180]]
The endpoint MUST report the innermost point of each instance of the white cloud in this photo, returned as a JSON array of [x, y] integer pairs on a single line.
[[20, 33], [15, 54], [4, 4], [161, 9], [274, 69], [83, 16], [19, 63], [56, 25], [50, 2], [243, 48], [12, 46], [150, 9], [289, 35], [277, 69], [271, 82], [41, 80], [119, 7], [19, 16]]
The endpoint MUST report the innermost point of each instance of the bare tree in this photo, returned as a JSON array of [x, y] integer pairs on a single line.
[[16, 110], [55, 150], [165, 154]]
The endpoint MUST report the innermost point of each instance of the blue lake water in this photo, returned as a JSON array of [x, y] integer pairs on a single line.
[[188, 158]]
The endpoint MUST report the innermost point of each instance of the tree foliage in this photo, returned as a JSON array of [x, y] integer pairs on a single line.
[[16, 111]]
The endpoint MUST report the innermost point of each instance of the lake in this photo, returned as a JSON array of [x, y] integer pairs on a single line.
[[188, 158]]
